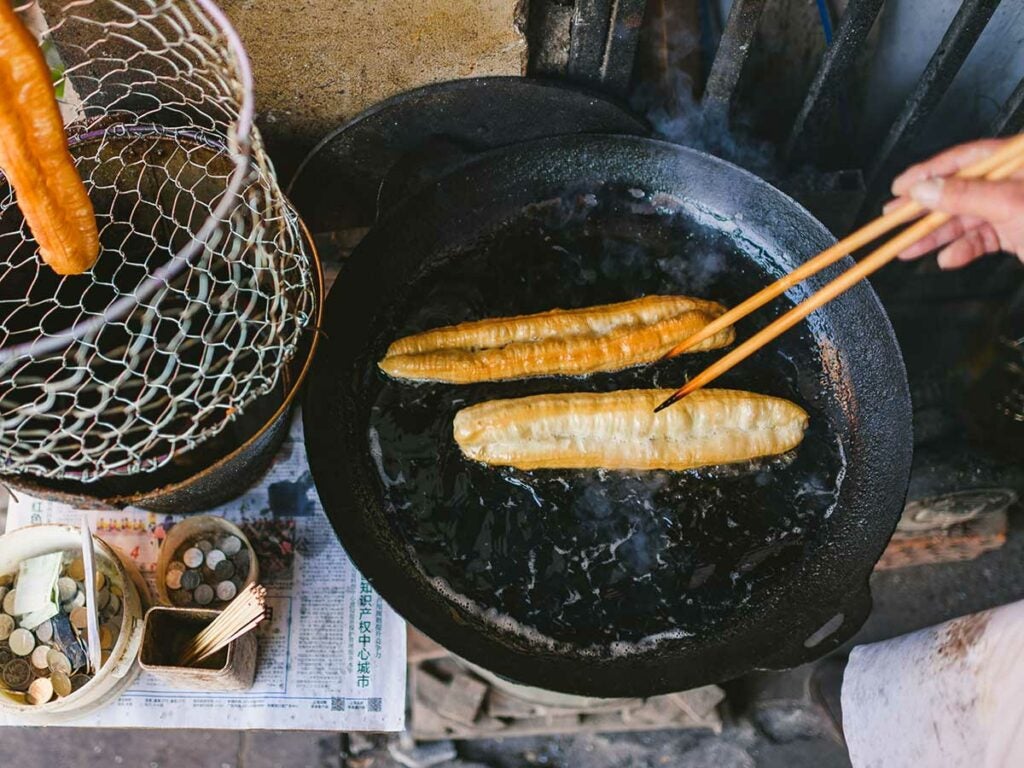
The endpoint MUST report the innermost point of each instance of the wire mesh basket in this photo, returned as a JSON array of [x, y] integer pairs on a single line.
[[204, 284]]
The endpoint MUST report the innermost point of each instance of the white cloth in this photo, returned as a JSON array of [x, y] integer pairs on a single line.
[[947, 696]]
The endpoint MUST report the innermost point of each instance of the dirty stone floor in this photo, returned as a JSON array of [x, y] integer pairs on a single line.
[[736, 747]]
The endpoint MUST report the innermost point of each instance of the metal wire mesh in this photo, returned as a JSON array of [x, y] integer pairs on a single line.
[[203, 287]]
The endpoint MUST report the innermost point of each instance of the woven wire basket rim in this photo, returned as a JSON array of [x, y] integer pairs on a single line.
[[239, 147]]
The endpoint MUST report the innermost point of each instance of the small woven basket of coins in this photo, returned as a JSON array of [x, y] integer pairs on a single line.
[[46, 676], [203, 563]]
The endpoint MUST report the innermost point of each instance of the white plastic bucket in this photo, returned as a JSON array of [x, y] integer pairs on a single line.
[[122, 664]]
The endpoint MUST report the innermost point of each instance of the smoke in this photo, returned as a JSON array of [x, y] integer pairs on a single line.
[[699, 273], [667, 99]]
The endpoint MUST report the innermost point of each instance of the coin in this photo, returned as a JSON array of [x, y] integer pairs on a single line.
[[5, 654], [226, 591], [203, 545], [106, 638], [230, 545], [3, 594], [76, 570], [241, 560], [213, 557], [9, 602], [39, 657], [224, 570], [193, 557], [203, 594], [173, 579], [77, 681], [40, 691], [181, 597], [44, 632], [58, 662], [17, 674], [78, 600], [191, 579], [80, 617], [102, 598], [6, 626], [176, 565], [101, 580], [22, 642], [6, 580], [114, 606], [67, 588], [62, 684]]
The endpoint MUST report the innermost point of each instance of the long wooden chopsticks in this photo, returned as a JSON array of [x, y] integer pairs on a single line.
[[998, 166]]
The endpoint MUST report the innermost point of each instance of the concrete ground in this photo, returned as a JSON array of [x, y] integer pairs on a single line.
[[736, 747]]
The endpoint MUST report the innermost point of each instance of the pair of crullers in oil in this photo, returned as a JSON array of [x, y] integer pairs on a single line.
[[609, 430]]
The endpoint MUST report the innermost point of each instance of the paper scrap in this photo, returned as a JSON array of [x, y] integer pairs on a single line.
[[37, 583]]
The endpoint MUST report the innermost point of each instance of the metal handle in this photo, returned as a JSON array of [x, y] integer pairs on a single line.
[[835, 626]]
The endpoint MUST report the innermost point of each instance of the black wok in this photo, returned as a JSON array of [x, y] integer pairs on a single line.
[[572, 221]]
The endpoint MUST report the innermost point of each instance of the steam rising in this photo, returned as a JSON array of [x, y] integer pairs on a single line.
[[677, 116]]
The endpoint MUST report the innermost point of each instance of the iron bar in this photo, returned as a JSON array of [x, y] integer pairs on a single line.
[[623, 37], [808, 140], [733, 49], [603, 42], [590, 25], [956, 45], [1011, 117]]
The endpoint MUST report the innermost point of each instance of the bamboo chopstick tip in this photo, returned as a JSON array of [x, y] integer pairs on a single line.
[[668, 402], [664, 358], [685, 345], [675, 352]]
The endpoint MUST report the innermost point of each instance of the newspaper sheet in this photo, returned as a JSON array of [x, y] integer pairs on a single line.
[[332, 656]]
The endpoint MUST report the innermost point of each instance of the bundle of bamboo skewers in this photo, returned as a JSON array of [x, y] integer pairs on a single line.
[[242, 615]]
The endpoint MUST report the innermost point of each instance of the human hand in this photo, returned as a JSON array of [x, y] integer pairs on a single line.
[[988, 216]]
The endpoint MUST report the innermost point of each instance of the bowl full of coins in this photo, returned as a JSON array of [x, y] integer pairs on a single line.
[[204, 562], [68, 642]]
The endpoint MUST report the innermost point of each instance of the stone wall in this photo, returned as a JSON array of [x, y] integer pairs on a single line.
[[319, 62]]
